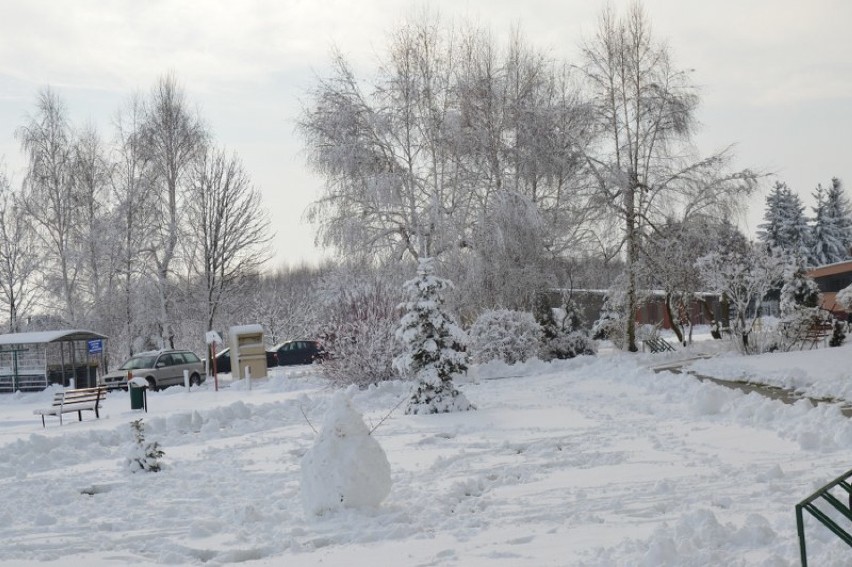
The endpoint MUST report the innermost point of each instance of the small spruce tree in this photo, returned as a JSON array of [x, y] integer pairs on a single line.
[[144, 456], [566, 337], [434, 345]]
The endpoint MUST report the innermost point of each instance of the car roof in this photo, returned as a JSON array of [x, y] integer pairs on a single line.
[[157, 352], [279, 345]]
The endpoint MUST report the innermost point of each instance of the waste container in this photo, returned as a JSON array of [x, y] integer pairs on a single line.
[[138, 393], [247, 349]]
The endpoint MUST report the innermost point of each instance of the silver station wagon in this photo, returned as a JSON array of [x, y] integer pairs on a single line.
[[161, 369]]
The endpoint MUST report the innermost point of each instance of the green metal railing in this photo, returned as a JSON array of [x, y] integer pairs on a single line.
[[824, 495]]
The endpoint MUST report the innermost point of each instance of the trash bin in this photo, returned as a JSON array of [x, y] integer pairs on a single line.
[[138, 393], [247, 349]]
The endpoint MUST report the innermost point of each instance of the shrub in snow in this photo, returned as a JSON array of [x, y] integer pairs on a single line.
[[798, 292], [844, 299], [800, 310], [434, 345], [838, 334], [361, 352], [611, 323], [144, 456], [504, 334], [346, 467], [562, 335], [359, 309]]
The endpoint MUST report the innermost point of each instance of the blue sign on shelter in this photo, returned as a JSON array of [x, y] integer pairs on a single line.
[[96, 346]]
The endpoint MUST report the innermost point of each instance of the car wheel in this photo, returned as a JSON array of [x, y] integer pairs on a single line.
[[195, 380], [152, 385]]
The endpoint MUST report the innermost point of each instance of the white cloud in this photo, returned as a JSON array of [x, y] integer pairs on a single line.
[[247, 62]]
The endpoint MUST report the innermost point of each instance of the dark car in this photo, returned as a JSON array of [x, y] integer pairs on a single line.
[[223, 360], [298, 352]]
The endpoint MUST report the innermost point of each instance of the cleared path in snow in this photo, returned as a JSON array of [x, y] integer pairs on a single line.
[[786, 395]]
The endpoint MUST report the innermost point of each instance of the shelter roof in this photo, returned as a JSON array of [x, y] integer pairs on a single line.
[[39, 337]]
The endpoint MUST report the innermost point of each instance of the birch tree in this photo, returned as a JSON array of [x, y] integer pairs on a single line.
[[48, 143], [92, 229], [642, 162], [174, 138], [392, 187], [19, 257], [132, 218], [452, 123]]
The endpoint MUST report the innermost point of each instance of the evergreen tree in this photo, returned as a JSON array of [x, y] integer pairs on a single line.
[[144, 456], [832, 228], [434, 345], [798, 292], [563, 338], [786, 227]]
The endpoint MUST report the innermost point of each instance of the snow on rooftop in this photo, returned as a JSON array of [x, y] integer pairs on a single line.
[[36, 337]]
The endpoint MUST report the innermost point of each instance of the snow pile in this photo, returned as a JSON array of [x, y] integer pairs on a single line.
[[346, 467]]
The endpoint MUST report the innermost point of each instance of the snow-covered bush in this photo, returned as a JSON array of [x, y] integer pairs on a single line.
[[799, 304], [361, 352], [504, 334], [359, 310], [433, 345], [798, 292], [844, 299], [562, 333], [838, 334], [144, 456], [611, 323], [346, 466]]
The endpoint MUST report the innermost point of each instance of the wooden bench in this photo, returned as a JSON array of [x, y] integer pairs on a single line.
[[67, 401], [818, 332], [658, 344]]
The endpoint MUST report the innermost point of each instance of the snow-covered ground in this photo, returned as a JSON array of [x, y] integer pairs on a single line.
[[596, 461]]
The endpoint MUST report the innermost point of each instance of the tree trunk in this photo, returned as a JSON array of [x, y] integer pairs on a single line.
[[675, 323], [632, 259]]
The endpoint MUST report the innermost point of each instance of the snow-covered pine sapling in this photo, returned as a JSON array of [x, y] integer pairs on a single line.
[[143, 456], [433, 345]]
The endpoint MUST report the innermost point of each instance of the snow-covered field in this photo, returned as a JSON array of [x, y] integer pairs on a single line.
[[596, 461]]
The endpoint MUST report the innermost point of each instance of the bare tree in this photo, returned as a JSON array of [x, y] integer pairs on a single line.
[[92, 229], [642, 163], [132, 217], [523, 125], [743, 277], [455, 131], [174, 138], [229, 229], [670, 264], [287, 303], [48, 141], [19, 257], [391, 185]]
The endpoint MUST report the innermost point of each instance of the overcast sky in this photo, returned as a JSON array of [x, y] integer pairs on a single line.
[[775, 75]]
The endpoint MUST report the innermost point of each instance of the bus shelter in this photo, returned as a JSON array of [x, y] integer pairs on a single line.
[[32, 361]]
